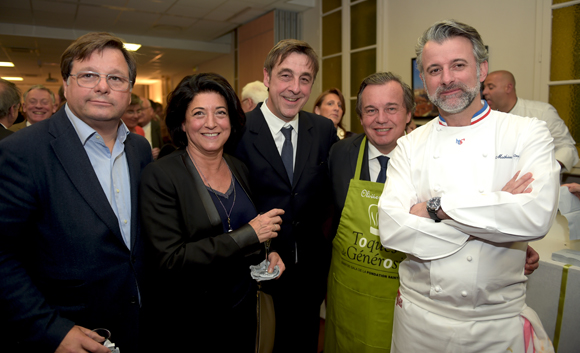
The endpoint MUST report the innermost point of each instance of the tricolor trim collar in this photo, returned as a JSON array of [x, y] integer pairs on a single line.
[[477, 117]]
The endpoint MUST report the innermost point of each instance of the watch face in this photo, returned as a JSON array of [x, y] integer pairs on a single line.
[[433, 204]]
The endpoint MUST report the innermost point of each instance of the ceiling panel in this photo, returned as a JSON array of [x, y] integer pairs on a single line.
[[89, 16], [159, 6], [43, 7], [11, 4], [161, 26], [115, 3], [180, 21], [12, 15]]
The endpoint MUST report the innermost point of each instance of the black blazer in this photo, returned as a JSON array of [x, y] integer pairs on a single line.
[[342, 166], [4, 132], [193, 264], [307, 200], [63, 259]]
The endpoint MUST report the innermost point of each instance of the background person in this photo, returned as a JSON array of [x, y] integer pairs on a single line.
[[200, 224], [330, 104], [39, 104], [252, 94], [500, 93], [151, 127], [9, 104], [133, 114]]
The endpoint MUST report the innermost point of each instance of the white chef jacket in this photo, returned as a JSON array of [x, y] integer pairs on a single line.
[[564, 144], [445, 272]]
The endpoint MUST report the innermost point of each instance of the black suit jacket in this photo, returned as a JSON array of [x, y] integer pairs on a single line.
[[197, 272], [4, 132], [63, 260], [342, 166], [306, 201]]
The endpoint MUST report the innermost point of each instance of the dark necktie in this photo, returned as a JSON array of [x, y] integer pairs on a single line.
[[383, 160], [288, 152]]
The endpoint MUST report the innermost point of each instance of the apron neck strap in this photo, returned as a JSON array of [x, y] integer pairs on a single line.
[[359, 160]]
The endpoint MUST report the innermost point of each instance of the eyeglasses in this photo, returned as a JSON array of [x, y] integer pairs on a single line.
[[89, 79]]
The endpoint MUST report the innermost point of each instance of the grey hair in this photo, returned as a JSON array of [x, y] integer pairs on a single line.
[[9, 96], [381, 78], [446, 29], [256, 90], [40, 87]]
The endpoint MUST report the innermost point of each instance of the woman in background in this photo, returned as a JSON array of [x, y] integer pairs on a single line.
[[330, 104], [201, 228]]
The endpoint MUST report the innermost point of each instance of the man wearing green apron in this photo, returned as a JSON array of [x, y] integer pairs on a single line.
[[363, 279]]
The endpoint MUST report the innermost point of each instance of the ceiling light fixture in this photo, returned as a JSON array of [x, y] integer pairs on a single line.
[[12, 78], [6, 64], [132, 46]]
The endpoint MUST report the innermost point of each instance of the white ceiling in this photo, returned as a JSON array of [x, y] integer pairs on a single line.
[[176, 35]]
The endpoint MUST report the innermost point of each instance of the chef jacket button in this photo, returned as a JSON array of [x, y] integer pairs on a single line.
[[438, 128], [463, 293], [133, 300], [469, 258], [437, 288], [484, 154], [481, 191], [435, 156], [437, 188]]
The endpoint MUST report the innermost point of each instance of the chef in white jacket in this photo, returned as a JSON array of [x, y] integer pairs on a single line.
[[464, 195]]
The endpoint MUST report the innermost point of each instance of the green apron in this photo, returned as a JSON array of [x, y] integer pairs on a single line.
[[364, 277]]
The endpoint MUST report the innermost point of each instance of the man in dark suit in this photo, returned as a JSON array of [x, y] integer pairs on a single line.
[[286, 151], [70, 251], [151, 127], [385, 106], [9, 104]]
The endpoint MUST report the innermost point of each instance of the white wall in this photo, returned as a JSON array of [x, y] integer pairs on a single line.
[[508, 27]]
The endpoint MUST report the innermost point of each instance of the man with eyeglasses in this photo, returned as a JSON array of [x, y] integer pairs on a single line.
[[70, 251], [133, 115], [151, 126]]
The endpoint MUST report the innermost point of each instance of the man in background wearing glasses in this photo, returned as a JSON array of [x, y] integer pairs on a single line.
[[70, 252]]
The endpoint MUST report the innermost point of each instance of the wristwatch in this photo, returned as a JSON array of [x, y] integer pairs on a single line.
[[433, 205]]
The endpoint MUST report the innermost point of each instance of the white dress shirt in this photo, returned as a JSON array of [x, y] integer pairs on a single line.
[[374, 165], [276, 125]]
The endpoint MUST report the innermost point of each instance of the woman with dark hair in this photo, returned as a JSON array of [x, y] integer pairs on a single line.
[[330, 104], [201, 228]]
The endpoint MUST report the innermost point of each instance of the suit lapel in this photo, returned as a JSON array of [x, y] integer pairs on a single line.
[[365, 173], [134, 172], [73, 158], [208, 205], [304, 145], [265, 145], [353, 157]]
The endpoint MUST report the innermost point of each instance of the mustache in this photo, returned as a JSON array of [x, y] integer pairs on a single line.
[[441, 89]]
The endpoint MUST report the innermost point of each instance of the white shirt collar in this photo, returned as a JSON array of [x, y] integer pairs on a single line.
[[84, 131], [275, 123], [374, 152]]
